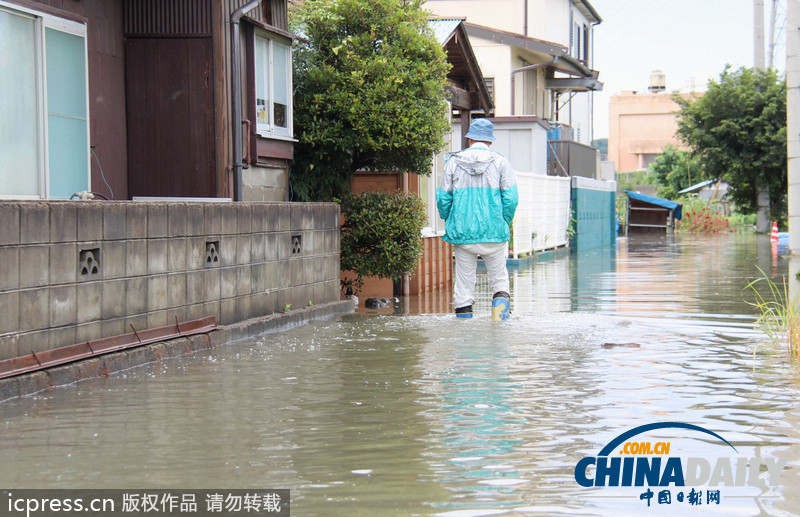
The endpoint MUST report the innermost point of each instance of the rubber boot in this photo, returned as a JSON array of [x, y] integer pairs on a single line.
[[464, 312], [501, 306]]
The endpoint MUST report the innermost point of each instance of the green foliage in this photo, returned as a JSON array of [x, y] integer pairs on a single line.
[[676, 170], [737, 129], [780, 314], [601, 144], [632, 180], [368, 92], [381, 235], [710, 216]]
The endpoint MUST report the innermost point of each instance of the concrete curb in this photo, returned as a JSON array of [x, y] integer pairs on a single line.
[[105, 365]]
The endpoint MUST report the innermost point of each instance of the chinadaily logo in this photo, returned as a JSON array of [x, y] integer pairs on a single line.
[[695, 467]]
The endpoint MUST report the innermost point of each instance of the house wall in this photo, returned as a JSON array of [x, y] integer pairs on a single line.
[[107, 121], [155, 262], [266, 183], [501, 14], [105, 54], [435, 269], [640, 126], [548, 20], [496, 62]]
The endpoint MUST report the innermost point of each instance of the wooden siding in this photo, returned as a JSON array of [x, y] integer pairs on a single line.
[[645, 218], [167, 18], [170, 126], [435, 269], [106, 62]]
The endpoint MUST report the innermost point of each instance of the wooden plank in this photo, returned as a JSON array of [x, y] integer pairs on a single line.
[[171, 147]]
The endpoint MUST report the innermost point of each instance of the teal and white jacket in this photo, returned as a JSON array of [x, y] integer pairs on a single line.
[[477, 196]]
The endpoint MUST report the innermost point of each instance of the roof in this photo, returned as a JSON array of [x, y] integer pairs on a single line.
[[657, 201], [443, 29], [465, 73], [697, 186], [562, 61], [588, 11]]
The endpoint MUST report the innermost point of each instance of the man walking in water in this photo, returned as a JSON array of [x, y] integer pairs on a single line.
[[477, 197]]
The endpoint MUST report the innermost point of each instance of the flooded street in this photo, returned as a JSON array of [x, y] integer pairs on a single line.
[[418, 413]]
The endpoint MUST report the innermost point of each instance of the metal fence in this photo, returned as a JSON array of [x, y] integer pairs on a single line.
[[567, 158]]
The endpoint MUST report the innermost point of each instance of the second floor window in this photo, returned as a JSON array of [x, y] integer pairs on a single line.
[[273, 87]]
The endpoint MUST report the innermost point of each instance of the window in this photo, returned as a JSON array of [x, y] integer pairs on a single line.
[[586, 44], [273, 87], [489, 82], [44, 130]]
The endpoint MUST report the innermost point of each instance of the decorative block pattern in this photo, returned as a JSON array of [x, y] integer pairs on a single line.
[[212, 254], [89, 264]]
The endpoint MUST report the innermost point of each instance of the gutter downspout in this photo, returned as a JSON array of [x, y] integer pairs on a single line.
[[525, 69], [236, 86], [525, 19], [591, 93]]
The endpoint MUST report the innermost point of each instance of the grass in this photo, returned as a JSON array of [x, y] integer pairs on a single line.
[[780, 315]]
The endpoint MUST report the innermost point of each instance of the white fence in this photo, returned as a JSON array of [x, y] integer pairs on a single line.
[[542, 215]]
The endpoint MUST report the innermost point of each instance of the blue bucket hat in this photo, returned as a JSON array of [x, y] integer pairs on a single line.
[[481, 130]]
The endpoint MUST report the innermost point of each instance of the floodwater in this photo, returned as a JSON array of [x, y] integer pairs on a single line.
[[418, 413]]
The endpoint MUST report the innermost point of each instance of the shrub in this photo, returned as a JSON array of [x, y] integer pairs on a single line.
[[704, 220], [381, 235], [701, 216]]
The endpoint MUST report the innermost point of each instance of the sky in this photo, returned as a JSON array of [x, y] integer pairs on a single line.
[[688, 40]]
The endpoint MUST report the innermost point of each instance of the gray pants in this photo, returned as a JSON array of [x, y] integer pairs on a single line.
[[494, 255]]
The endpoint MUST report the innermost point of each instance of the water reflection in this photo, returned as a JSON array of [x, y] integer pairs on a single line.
[[419, 413]]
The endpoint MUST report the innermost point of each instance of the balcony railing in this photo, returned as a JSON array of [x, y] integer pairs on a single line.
[[568, 158]]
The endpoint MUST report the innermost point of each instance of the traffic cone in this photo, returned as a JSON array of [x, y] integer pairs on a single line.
[[774, 235]]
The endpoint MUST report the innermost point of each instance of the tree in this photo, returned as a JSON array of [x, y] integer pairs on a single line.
[[369, 92], [381, 235], [737, 129], [676, 170]]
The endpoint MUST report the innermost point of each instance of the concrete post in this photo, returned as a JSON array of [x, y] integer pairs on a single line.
[[793, 121], [758, 33]]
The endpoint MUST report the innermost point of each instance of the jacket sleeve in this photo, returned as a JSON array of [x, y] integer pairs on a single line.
[[444, 192], [508, 191]]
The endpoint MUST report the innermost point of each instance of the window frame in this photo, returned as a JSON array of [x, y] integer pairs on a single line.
[[43, 21], [270, 129]]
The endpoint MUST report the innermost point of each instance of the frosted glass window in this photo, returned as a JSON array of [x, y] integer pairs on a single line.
[[44, 119], [20, 166]]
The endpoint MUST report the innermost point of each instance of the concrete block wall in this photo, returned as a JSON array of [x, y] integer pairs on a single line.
[[265, 183], [73, 271]]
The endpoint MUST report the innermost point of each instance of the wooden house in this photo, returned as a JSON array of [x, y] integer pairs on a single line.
[[142, 98], [466, 93]]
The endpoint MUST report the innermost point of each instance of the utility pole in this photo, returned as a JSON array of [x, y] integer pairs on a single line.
[[771, 52], [762, 192], [758, 33], [793, 121]]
